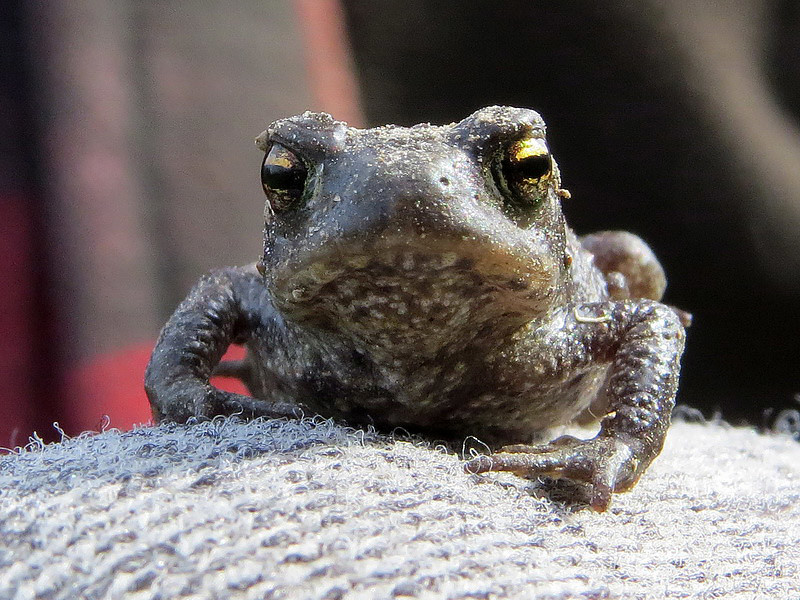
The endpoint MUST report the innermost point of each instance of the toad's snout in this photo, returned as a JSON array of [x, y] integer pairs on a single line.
[[417, 198]]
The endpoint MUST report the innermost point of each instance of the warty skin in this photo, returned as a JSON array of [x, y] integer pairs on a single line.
[[425, 277]]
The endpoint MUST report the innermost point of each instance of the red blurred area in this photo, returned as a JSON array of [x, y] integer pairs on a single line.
[[98, 188], [17, 321], [109, 392], [36, 390]]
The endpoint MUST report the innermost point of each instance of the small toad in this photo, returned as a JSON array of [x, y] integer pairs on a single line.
[[425, 278]]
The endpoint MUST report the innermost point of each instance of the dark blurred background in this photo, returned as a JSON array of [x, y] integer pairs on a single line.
[[127, 167]]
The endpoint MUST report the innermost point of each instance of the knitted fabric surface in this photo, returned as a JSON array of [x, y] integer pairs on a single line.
[[312, 509]]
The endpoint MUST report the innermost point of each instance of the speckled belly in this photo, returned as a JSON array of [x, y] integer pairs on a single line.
[[453, 398]]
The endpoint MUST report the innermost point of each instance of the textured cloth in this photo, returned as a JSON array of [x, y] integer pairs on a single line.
[[310, 509]]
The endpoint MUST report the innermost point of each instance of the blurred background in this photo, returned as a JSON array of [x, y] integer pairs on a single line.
[[127, 167]]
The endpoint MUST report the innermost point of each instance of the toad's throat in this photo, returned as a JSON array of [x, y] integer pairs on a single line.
[[416, 305]]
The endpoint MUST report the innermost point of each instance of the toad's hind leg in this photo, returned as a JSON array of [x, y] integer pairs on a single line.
[[628, 264], [631, 271]]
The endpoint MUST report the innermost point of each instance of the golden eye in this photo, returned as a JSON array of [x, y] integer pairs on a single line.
[[283, 175], [522, 167]]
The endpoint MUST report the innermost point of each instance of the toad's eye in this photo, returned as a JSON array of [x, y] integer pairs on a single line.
[[523, 166], [283, 175]]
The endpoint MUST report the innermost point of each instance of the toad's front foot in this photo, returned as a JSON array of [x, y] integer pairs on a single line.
[[179, 403], [606, 463]]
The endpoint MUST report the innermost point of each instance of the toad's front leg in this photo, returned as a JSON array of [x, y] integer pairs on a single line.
[[221, 309], [643, 341]]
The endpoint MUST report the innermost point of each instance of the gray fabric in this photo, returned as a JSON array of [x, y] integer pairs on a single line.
[[310, 509]]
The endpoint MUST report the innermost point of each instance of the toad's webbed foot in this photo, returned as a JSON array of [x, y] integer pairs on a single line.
[[251, 408], [191, 399], [606, 463]]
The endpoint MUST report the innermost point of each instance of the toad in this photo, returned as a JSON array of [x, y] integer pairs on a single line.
[[425, 278]]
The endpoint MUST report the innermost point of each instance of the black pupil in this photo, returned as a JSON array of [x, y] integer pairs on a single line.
[[283, 174], [531, 167], [283, 179]]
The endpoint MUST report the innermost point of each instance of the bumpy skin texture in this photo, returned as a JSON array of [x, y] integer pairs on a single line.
[[412, 286]]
